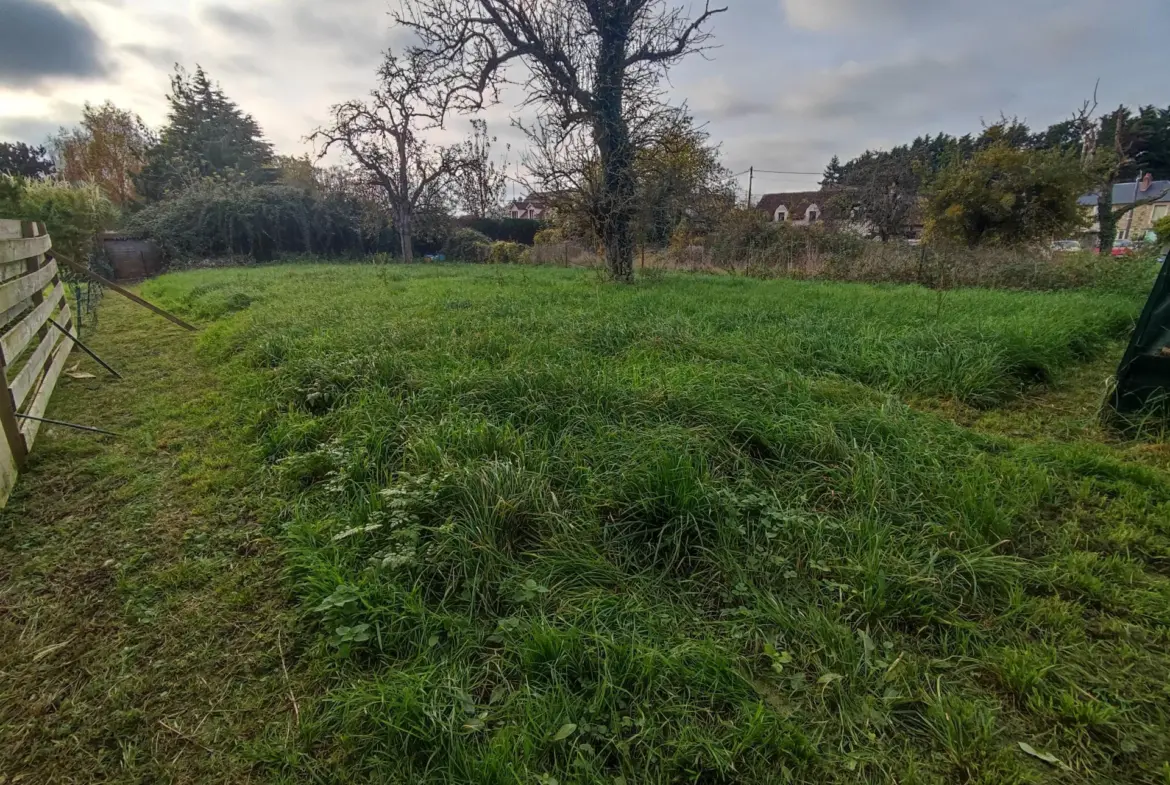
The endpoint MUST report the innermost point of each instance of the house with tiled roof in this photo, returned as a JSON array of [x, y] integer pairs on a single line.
[[1149, 198], [808, 208], [800, 208], [537, 206]]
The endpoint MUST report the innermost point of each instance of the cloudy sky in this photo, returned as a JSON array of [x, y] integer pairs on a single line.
[[792, 83]]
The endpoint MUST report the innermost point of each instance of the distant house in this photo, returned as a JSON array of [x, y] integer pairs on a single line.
[[1153, 203], [536, 206], [807, 208], [800, 208]]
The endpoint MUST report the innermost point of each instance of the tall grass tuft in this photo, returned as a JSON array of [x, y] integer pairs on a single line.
[[546, 530]]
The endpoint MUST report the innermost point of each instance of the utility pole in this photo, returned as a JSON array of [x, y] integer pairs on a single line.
[[751, 179]]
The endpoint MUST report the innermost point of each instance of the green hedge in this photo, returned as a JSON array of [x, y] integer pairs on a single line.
[[215, 219], [511, 230]]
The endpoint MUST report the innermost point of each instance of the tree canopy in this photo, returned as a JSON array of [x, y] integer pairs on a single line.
[[1005, 195], [206, 135], [1146, 132], [108, 149], [22, 160]]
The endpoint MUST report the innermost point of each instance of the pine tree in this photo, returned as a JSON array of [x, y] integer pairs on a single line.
[[22, 160], [207, 135], [834, 173]]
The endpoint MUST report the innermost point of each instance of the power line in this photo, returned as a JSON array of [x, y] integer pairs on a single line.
[[810, 174], [769, 171]]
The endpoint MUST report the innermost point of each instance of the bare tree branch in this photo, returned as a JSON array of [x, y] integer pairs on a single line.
[[592, 70], [384, 136]]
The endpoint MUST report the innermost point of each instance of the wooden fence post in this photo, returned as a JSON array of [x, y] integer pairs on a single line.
[[29, 349], [9, 422]]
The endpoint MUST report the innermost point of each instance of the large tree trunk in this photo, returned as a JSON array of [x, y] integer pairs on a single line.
[[405, 236], [612, 135], [405, 203], [1108, 221]]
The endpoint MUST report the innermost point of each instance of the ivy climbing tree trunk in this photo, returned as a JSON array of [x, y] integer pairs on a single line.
[[592, 67], [612, 136]]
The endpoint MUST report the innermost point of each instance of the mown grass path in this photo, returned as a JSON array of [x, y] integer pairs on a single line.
[[141, 611]]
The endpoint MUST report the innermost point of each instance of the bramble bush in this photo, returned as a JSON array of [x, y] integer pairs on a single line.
[[746, 242], [73, 214], [506, 253], [467, 245], [218, 219]]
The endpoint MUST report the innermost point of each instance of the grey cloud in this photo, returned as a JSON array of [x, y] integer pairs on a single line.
[[731, 105], [40, 42], [912, 89], [242, 63], [32, 130], [795, 152], [238, 22], [37, 130], [831, 14], [360, 32], [161, 56]]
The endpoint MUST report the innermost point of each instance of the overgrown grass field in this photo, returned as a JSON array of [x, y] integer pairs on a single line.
[[544, 529]]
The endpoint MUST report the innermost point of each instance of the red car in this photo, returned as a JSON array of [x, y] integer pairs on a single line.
[[1124, 248]]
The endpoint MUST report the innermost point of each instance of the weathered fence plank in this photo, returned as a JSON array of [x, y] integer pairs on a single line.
[[17, 291], [24, 381], [7, 473], [40, 401], [25, 312], [24, 248], [11, 270], [13, 342], [10, 230]]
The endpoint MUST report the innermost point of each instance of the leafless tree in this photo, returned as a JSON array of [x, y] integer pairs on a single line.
[[1105, 165], [481, 186], [587, 64], [385, 137]]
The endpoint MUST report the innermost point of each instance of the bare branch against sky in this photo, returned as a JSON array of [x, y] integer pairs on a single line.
[[791, 83]]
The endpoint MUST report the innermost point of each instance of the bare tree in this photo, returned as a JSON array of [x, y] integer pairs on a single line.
[[385, 138], [589, 62], [1105, 166], [481, 186]]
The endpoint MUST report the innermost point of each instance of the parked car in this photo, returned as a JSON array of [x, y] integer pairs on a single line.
[[1066, 246], [1124, 248]]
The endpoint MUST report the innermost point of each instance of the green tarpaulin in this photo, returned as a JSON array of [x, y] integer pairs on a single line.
[[1144, 374]]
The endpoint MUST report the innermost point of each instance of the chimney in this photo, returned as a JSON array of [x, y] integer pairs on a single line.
[[1147, 183]]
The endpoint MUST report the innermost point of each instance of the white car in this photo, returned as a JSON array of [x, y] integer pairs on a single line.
[[1066, 246]]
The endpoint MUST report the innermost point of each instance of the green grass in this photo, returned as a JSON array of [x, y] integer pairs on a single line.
[[706, 530], [141, 604]]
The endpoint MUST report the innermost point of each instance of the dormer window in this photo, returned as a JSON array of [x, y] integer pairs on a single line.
[[781, 214], [812, 214]]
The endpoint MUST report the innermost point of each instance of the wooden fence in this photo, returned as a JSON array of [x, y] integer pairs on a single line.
[[32, 350]]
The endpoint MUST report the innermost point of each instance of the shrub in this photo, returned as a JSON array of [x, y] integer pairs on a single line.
[[746, 239], [1162, 229], [467, 245], [550, 236], [748, 243], [506, 253], [1006, 196], [73, 214], [513, 230], [217, 219]]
